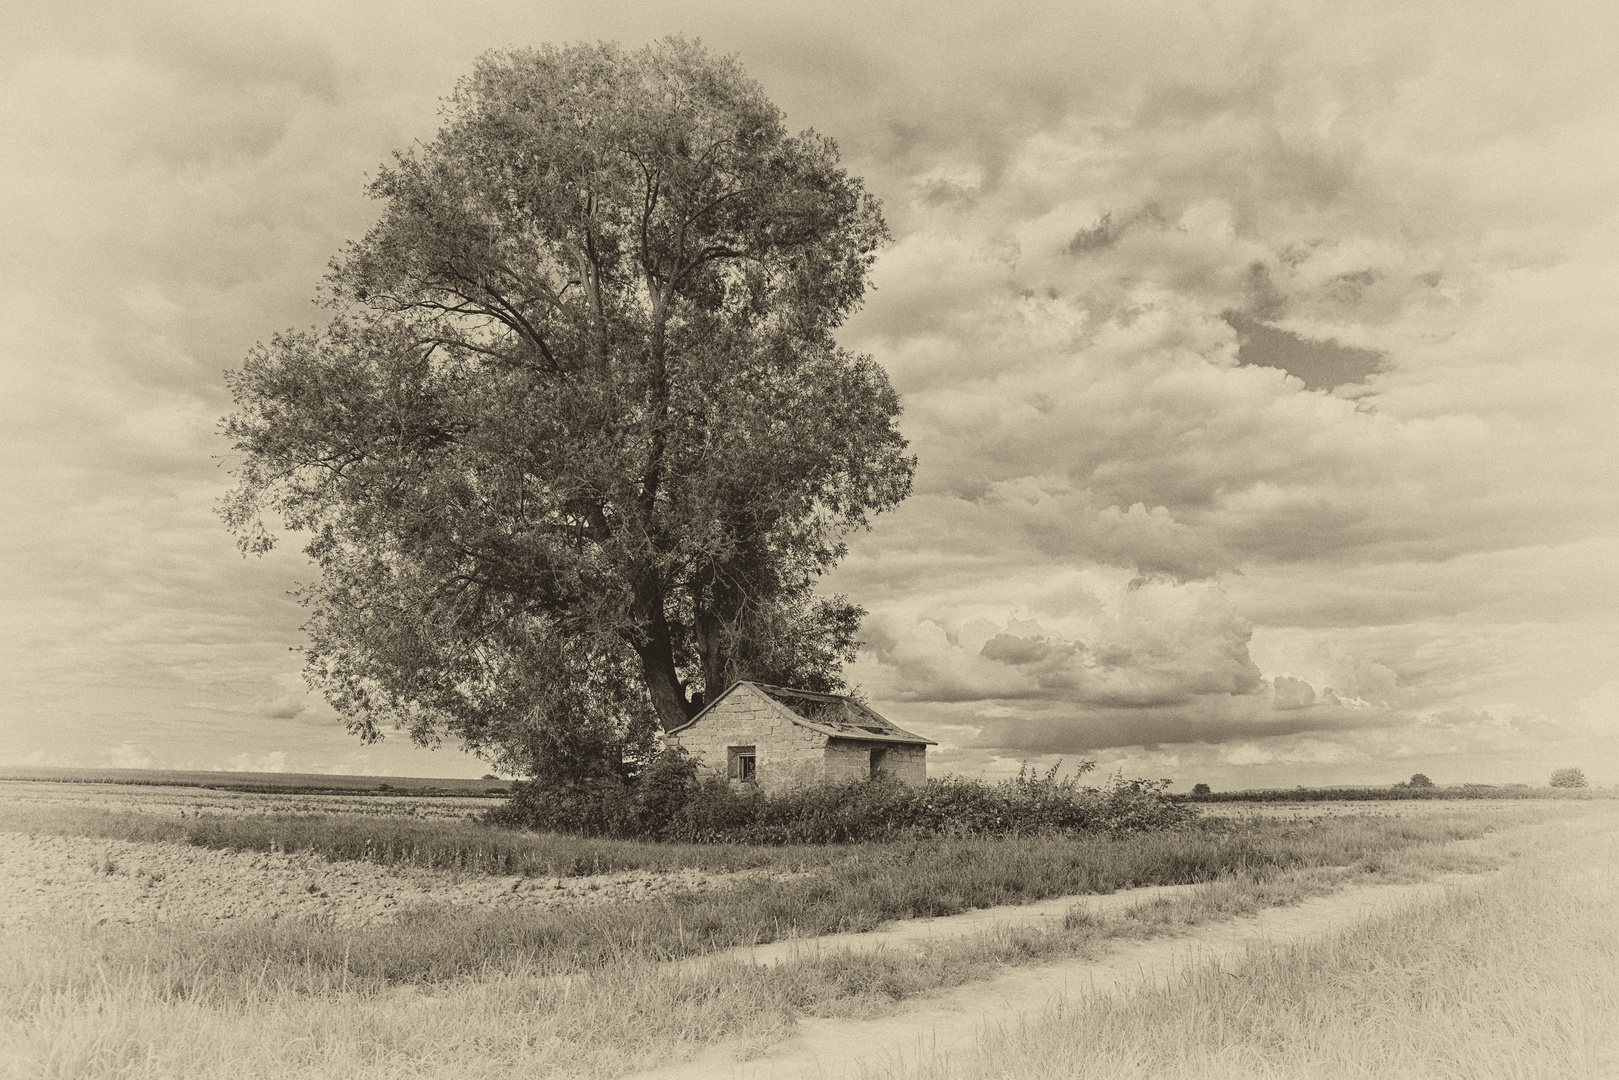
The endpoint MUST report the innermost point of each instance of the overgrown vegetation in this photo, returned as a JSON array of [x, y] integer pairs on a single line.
[[474, 993], [668, 802], [868, 885]]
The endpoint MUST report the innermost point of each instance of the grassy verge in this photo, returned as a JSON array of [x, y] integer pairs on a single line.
[[462, 846], [1516, 979], [868, 886], [581, 992], [471, 847]]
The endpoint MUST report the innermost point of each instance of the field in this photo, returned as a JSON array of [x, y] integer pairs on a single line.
[[269, 783], [161, 932]]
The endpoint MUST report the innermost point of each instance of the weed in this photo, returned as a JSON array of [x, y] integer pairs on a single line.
[[669, 803], [474, 994]]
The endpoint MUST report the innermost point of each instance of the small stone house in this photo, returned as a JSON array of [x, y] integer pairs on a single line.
[[778, 738]]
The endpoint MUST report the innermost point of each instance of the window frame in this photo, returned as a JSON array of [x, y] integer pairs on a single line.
[[742, 763]]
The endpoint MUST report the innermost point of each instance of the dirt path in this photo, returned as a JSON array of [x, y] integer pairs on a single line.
[[940, 1023], [1005, 917]]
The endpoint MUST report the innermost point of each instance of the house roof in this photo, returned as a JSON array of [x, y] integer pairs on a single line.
[[837, 715]]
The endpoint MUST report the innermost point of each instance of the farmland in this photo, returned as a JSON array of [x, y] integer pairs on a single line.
[[265, 783], [282, 935]]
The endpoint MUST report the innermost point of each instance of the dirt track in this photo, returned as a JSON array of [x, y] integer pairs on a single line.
[[951, 1022]]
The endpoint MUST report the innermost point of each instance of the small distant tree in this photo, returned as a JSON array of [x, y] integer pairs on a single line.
[[1419, 780], [1569, 778], [1200, 789]]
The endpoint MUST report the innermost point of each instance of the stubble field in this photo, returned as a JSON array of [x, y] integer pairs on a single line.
[[179, 933]]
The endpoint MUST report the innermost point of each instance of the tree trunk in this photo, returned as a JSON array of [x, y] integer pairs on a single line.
[[715, 602], [657, 652]]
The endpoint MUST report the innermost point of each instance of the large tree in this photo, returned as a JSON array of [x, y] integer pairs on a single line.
[[578, 439]]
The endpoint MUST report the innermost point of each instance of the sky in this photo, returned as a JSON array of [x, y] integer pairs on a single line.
[[1258, 358]]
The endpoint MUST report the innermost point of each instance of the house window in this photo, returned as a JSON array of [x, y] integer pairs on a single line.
[[743, 763], [879, 756]]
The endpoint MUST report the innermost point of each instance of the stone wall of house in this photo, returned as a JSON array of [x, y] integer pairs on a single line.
[[907, 763], [850, 759], [787, 753]]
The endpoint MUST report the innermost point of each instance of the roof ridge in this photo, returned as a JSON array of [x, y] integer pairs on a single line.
[[839, 727]]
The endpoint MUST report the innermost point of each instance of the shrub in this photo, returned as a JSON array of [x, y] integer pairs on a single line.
[[1419, 780], [1201, 789], [593, 806], [666, 801], [1569, 778]]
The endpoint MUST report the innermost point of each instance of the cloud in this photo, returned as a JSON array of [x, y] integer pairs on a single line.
[[1295, 318], [1320, 364], [1600, 708], [274, 761], [1257, 357], [127, 755]]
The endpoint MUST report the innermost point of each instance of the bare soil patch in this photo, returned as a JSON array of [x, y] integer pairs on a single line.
[[119, 881]]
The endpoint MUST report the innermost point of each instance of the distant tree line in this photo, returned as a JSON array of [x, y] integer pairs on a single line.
[[1397, 791]]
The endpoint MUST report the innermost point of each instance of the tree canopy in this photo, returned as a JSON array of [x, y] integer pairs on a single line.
[[578, 439], [1568, 778]]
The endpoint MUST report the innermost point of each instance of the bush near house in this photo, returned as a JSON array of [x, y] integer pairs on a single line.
[[667, 802]]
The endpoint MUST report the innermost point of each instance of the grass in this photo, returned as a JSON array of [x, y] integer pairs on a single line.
[[460, 846], [1519, 978], [864, 890], [471, 847], [472, 993], [264, 782]]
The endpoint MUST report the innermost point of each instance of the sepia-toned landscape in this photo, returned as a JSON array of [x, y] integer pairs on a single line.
[[838, 541], [174, 932]]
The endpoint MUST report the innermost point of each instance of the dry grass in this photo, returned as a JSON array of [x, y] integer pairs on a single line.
[[475, 994], [286, 783], [1518, 979], [461, 846], [1084, 864]]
